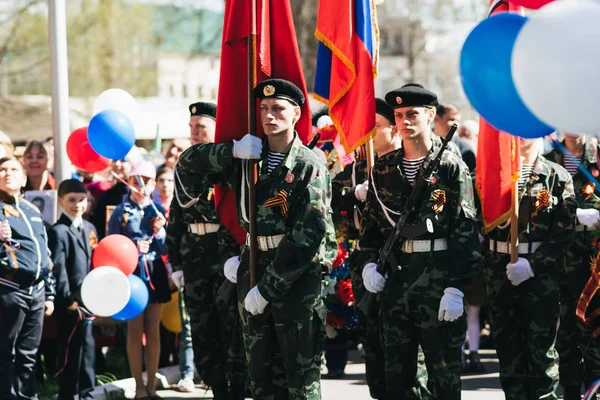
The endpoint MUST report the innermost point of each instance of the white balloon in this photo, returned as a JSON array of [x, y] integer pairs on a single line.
[[105, 291], [117, 99], [556, 64]]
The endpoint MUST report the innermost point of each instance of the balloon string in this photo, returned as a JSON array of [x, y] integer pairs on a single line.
[[80, 318], [146, 273]]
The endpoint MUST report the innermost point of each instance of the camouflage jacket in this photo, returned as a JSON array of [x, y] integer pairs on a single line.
[[293, 200], [195, 192], [546, 214], [347, 209], [576, 268], [447, 202]]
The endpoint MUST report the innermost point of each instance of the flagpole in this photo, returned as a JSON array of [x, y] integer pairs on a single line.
[[514, 212], [253, 173], [370, 155]]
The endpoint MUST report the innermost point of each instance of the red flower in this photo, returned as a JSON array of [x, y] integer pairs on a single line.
[[341, 256], [344, 292]]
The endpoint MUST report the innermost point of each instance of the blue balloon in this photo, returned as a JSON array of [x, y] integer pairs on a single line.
[[137, 302], [485, 69], [111, 134]]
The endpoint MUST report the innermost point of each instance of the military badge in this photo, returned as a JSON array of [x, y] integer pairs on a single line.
[[433, 180], [588, 190], [439, 199], [289, 178], [194, 110], [542, 200], [399, 100], [10, 211], [93, 239], [280, 200], [595, 173], [269, 90]]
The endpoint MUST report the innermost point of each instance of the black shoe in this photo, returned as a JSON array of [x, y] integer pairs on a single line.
[[475, 364], [572, 392], [335, 374], [220, 392], [237, 392], [464, 367]]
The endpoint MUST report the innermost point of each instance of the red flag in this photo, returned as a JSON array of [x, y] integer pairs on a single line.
[[277, 57], [497, 159], [346, 67]]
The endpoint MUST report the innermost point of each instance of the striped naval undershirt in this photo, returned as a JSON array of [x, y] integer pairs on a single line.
[[274, 159], [411, 168]]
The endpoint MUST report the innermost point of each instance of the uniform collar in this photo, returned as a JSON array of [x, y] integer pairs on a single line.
[[77, 222], [7, 198], [288, 162]]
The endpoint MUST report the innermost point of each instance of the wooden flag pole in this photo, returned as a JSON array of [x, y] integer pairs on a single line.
[[253, 164], [514, 215]]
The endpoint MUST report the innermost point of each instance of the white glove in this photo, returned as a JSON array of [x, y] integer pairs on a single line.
[[247, 148], [177, 278], [360, 191], [451, 305], [374, 282], [254, 302], [230, 269], [588, 217], [519, 272]]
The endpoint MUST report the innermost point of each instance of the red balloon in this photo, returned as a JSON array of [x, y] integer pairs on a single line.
[[531, 4], [82, 155], [116, 251]]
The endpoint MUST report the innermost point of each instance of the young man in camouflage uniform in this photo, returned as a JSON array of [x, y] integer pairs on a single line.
[[199, 245], [283, 315], [523, 297], [578, 349], [421, 297], [349, 192]]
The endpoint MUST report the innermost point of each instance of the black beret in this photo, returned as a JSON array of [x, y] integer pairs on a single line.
[[201, 109], [71, 186], [411, 95], [382, 108], [279, 89]]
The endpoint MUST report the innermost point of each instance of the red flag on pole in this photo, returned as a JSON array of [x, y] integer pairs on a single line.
[[497, 159], [278, 57], [347, 57]]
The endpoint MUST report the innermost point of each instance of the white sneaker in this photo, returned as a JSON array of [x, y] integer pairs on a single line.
[[186, 384]]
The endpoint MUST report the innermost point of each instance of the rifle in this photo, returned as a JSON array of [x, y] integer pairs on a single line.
[[386, 256], [227, 287]]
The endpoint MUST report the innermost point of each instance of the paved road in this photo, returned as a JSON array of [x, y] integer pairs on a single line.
[[475, 387]]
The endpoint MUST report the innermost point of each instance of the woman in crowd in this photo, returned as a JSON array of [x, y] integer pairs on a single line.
[[35, 161], [143, 222]]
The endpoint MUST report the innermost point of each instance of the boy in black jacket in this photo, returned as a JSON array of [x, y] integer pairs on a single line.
[[71, 241]]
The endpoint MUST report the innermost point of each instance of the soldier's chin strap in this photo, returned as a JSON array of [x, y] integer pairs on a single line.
[[193, 200], [589, 291]]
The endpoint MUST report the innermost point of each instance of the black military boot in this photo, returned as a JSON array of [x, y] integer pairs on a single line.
[[220, 392], [475, 364], [572, 392], [237, 391]]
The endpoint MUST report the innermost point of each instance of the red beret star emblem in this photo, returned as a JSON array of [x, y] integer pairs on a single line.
[[289, 178]]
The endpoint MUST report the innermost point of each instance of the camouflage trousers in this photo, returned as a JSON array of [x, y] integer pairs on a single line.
[[523, 321], [284, 349], [369, 334], [578, 350], [216, 331], [408, 322]]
